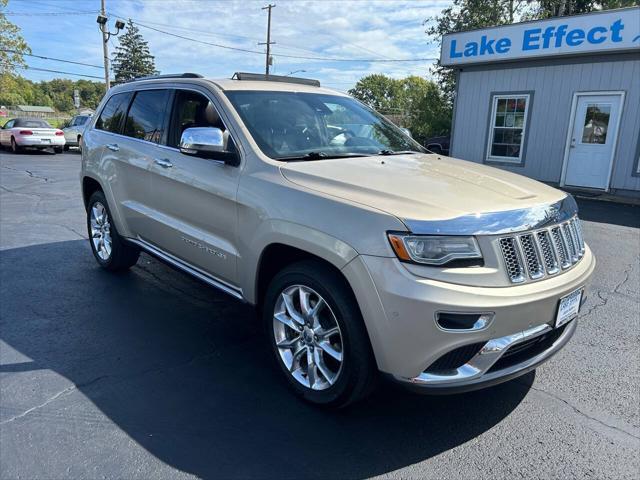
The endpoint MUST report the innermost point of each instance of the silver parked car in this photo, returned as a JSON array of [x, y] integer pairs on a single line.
[[363, 252], [73, 133]]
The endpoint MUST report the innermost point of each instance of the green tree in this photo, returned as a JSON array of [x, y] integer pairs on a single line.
[[559, 8], [56, 93], [426, 111], [467, 15], [12, 45], [413, 102], [379, 92], [132, 58]]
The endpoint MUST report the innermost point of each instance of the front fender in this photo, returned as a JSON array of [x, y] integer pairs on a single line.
[[304, 238]]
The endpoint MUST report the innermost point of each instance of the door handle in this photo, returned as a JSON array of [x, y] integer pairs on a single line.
[[164, 163], [113, 147]]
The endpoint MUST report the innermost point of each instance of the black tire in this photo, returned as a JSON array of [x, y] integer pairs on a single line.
[[358, 374], [58, 149], [435, 149], [66, 148], [15, 148], [123, 255]]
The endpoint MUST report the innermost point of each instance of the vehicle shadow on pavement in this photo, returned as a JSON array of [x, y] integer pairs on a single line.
[[608, 212], [184, 371]]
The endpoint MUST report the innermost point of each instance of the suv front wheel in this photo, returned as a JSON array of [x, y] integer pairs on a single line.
[[110, 250], [318, 336]]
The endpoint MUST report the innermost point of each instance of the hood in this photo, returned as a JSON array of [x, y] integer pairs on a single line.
[[421, 186]]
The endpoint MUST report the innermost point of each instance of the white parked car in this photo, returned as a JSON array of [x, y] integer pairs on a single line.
[[73, 133], [19, 133]]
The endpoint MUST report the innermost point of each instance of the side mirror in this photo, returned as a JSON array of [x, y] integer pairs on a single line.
[[207, 142], [406, 131]]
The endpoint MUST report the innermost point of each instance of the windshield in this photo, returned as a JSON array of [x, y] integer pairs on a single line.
[[80, 120], [294, 125], [22, 122]]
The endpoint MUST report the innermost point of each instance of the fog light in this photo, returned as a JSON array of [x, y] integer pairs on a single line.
[[463, 321]]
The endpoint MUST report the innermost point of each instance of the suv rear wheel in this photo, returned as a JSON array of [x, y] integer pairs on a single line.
[[317, 335], [110, 250]]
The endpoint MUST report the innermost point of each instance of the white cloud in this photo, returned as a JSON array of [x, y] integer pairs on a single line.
[[360, 29]]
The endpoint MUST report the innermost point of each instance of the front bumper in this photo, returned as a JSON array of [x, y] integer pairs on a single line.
[[479, 373], [399, 310]]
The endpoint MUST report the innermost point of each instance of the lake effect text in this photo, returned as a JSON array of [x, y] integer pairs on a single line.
[[538, 38]]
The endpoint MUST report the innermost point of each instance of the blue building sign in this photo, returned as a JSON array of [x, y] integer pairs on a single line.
[[595, 32]]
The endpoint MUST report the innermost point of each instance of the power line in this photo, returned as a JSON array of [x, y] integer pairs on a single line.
[[282, 46], [23, 67], [42, 14], [51, 58], [63, 60], [283, 55]]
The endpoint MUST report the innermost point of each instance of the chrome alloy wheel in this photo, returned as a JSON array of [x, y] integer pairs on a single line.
[[101, 231], [308, 337]]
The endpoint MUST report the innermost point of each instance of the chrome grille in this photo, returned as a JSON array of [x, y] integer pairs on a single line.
[[531, 256], [549, 256], [560, 247], [536, 254], [512, 259]]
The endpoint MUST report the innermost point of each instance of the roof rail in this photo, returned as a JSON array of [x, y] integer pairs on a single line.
[[167, 75], [275, 78]]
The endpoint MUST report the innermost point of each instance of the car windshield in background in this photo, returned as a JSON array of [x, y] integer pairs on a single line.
[[313, 126], [80, 120], [31, 123]]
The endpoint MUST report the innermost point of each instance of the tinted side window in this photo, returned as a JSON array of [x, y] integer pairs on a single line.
[[146, 115], [113, 113], [191, 109]]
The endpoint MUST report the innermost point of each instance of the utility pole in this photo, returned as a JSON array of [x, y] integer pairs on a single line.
[[269, 42], [106, 35], [105, 47]]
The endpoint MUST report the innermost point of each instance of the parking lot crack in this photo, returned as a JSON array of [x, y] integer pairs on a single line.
[[28, 172], [580, 412], [20, 193], [595, 307], [72, 230], [61, 393]]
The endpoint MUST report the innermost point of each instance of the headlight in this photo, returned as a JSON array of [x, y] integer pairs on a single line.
[[434, 249]]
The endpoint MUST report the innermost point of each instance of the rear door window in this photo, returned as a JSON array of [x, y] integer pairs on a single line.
[[146, 117], [113, 113]]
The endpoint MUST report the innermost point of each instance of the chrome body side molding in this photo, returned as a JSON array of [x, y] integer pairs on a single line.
[[497, 223], [190, 269]]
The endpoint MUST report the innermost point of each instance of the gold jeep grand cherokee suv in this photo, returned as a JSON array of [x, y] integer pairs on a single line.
[[363, 252]]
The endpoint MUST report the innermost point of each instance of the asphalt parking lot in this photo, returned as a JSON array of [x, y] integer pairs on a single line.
[[151, 374]]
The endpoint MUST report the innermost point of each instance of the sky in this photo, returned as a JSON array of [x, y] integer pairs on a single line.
[[358, 31]]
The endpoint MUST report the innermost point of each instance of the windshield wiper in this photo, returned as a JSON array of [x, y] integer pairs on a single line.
[[320, 156], [394, 152]]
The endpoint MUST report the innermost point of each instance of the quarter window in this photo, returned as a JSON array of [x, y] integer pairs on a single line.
[[145, 119], [113, 113], [508, 128]]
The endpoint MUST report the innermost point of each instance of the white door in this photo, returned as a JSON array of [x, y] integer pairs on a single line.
[[593, 140]]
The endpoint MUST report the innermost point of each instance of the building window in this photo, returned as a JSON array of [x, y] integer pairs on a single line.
[[508, 128]]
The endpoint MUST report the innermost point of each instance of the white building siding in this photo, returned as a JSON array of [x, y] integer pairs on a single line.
[[553, 84]]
